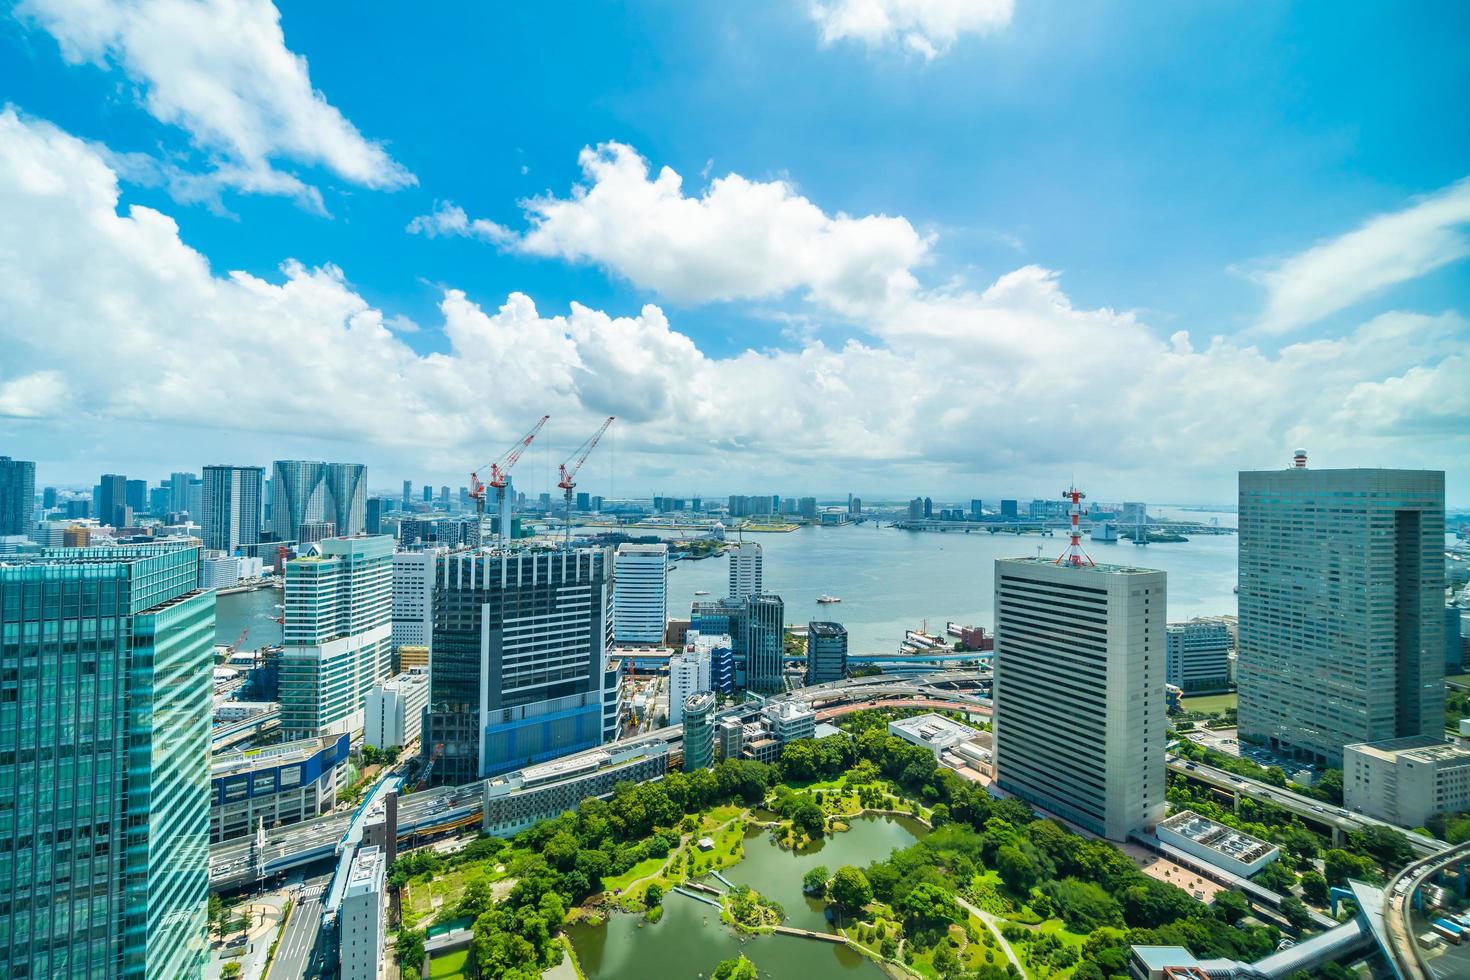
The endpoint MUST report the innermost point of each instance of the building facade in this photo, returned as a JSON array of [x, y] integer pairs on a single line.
[[519, 666], [104, 760], [826, 652], [746, 562], [337, 639], [361, 946], [17, 496], [311, 492], [413, 598], [689, 672], [1341, 607], [1406, 780], [1198, 656], [699, 731], [640, 593], [394, 710], [231, 506], [763, 632], [274, 785], [1079, 718]]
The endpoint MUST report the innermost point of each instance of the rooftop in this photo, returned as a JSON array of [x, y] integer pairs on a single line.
[[1218, 837], [933, 727], [1413, 748], [1097, 569], [643, 549]]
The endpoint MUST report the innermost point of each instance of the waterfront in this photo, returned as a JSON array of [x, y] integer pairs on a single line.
[[689, 940], [889, 580]]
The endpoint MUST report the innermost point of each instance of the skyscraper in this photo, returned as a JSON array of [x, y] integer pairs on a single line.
[[1341, 607], [640, 593], [1198, 655], [407, 492], [746, 560], [178, 491], [17, 496], [231, 506], [308, 492], [373, 522], [763, 631], [338, 635], [826, 652], [413, 598], [137, 496], [520, 659], [1079, 691], [104, 760], [111, 497], [699, 731], [689, 671]]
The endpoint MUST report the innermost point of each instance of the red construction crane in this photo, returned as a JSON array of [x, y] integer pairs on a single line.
[[499, 475], [569, 472]]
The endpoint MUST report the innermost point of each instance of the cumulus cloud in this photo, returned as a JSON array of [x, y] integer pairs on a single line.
[[1385, 250], [1013, 378], [739, 239], [924, 27], [220, 69]]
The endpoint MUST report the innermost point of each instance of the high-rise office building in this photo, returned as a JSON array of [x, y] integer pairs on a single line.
[[338, 634], [413, 598], [137, 496], [1080, 724], [309, 492], [746, 560], [373, 522], [826, 652], [17, 496], [763, 632], [407, 493], [916, 509], [1008, 508], [231, 506], [159, 499], [977, 509], [49, 496], [640, 593], [360, 954], [689, 672], [520, 664], [110, 500], [195, 497], [178, 491], [104, 760], [807, 507], [1198, 655], [1341, 607], [697, 717]]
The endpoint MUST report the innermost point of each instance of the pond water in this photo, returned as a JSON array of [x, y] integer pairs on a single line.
[[689, 940]]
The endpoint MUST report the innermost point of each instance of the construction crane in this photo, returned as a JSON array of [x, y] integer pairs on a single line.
[[499, 474], [569, 472]]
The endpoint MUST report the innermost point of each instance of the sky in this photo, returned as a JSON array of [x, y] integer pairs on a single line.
[[954, 248]]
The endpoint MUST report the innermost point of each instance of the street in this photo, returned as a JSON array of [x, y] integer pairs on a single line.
[[299, 941]]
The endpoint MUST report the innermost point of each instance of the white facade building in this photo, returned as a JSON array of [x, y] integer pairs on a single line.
[[337, 636], [689, 672], [413, 598], [1079, 691], [789, 721], [393, 713], [1406, 780], [934, 732], [746, 560], [221, 571], [1198, 656], [1224, 847], [362, 915], [640, 593]]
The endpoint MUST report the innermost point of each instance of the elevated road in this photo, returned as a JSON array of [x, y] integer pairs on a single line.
[[1339, 820], [1405, 955]]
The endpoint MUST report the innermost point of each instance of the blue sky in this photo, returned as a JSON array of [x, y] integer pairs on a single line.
[[972, 252]]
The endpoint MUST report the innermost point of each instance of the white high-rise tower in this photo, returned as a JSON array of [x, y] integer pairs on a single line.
[[745, 570]]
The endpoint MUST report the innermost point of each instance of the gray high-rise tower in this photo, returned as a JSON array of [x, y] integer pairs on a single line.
[[231, 506], [309, 492], [1341, 607], [17, 496]]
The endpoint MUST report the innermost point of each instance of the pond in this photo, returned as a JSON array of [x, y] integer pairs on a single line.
[[689, 940]]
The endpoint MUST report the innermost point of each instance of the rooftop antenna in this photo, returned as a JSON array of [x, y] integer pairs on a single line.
[[1074, 555]]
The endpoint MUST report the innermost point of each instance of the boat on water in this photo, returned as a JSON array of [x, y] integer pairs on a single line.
[[828, 599], [701, 591]]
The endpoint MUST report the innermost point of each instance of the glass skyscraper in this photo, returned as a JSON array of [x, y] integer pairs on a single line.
[[310, 492], [105, 709], [231, 504], [1341, 607], [17, 496]]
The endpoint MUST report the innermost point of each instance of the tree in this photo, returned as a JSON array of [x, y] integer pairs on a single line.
[[1387, 847], [739, 968], [928, 904], [809, 819], [654, 896], [1017, 869], [409, 950], [814, 882], [1296, 913], [1314, 888], [1231, 907], [562, 850], [1330, 785], [1277, 877], [230, 970], [215, 915], [1339, 866], [1152, 903], [850, 888]]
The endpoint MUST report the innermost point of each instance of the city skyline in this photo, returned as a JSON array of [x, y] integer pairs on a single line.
[[1132, 259]]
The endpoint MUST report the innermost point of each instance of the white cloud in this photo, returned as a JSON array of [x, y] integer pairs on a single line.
[[1385, 250], [220, 69], [450, 221], [1010, 383], [925, 27], [740, 239]]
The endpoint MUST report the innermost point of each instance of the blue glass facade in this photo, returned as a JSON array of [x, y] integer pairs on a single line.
[[105, 707]]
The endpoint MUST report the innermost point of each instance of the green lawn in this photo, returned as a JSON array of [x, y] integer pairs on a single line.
[[643, 868], [1210, 703], [450, 966], [1462, 679], [447, 886]]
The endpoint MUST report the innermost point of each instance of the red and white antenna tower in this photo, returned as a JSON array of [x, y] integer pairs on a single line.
[[1074, 555]]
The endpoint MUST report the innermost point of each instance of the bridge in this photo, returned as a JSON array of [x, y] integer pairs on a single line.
[[1401, 896]]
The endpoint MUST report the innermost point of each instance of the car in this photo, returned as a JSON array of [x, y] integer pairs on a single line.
[[1189, 765]]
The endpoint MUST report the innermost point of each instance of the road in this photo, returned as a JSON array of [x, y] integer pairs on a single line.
[[1307, 807], [294, 955], [1408, 958]]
